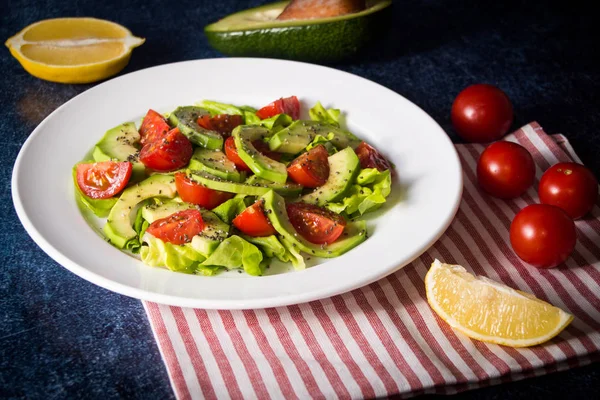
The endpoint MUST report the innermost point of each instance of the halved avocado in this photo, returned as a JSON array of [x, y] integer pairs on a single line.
[[257, 32]]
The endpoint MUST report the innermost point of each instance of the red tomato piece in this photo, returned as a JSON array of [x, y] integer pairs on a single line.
[[196, 193], [167, 154], [315, 224], [222, 123], [289, 105], [570, 186], [178, 228], [102, 180], [154, 127], [482, 113], [253, 221], [371, 158], [310, 169], [543, 235], [232, 153], [505, 170]]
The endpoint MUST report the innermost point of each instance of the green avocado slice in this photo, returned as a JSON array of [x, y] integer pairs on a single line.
[[299, 134], [257, 32], [252, 187], [119, 225], [263, 166], [354, 232], [343, 168], [118, 144], [215, 162], [185, 118]]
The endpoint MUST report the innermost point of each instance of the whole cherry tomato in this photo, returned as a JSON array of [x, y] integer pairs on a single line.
[[543, 235], [570, 186], [505, 170], [482, 113]]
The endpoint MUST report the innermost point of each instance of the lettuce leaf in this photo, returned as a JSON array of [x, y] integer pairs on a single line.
[[367, 194], [325, 141], [328, 116], [180, 258], [100, 207], [215, 108], [235, 252], [228, 210], [280, 248], [251, 118], [294, 254]]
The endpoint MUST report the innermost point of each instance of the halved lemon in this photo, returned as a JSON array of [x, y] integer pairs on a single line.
[[489, 311], [73, 50]]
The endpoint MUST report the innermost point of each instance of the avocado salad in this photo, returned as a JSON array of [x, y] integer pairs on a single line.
[[214, 187]]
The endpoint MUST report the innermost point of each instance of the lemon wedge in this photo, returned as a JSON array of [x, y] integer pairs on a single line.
[[73, 50], [489, 311]]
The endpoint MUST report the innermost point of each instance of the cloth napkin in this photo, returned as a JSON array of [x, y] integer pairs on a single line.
[[383, 339]]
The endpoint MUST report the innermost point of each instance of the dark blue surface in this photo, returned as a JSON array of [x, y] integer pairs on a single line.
[[62, 337]]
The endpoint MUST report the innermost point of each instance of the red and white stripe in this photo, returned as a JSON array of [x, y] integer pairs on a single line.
[[383, 339]]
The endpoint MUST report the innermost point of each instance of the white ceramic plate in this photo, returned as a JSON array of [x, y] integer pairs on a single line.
[[422, 204]]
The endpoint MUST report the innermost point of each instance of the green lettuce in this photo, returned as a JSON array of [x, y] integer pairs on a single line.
[[229, 209], [216, 108], [328, 116], [271, 246], [368, 193], [100, 207], [250, 118], [325, 141], [180, 258], [274, 123], [235, 252]]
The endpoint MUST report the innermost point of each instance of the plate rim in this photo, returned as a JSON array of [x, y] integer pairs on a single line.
[[224, 304]]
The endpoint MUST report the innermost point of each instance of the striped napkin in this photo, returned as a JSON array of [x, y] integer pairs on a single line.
[[383, 339]]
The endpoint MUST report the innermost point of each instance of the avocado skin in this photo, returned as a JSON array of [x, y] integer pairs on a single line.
[[314, 42], [274, 206]]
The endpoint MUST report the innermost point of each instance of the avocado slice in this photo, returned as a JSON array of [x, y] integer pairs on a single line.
[[354, 232], [299, 134], [261, 165], [119, 144], [118, 228], [255, 187], [214, 232], [343, 168], [257, 32], [185, 118], [215, 162]]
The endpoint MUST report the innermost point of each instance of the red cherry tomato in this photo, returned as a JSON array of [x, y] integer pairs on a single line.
[[253, 221], [178, 228], [195, 193], [288, 105], [369, 157], [505, 170], [167, 154], [570, 186], [103, 180], [315, 224], [543, 235], [482, 113], [222, 123], [154, 127], [310, 169]]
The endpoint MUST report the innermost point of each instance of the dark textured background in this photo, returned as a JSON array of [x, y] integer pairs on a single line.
[[62, 337]]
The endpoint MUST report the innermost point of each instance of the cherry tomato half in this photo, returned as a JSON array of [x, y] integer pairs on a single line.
[[505, 170], [102, 180], [543, 235], [178, 228], [154, 127], [482, 113], [310, 169], [289, 105], [253, 221], [167, 154], [369, 157], [195, 193], [315, 224], [570, 186], [222, 123]]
